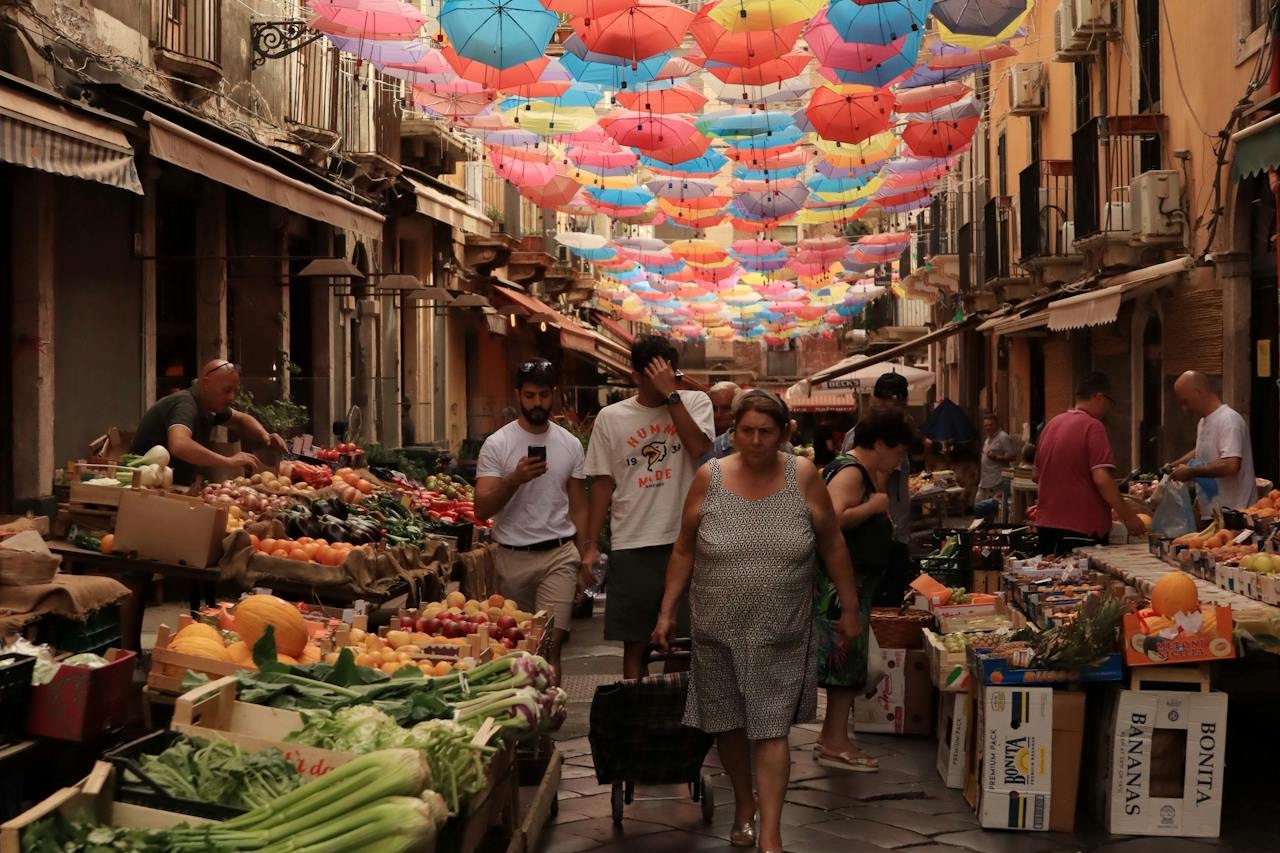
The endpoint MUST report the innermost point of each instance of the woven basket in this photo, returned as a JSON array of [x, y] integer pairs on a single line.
[[900, 629]]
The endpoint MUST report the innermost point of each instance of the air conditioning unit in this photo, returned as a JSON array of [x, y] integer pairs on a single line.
[[1094, 18], [1116, 216], [1068, 46], [1155, 198], [1068, 233], [1028, 89]]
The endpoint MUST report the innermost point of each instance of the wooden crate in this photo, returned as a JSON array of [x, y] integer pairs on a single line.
[[92, 795], [542, 806], [168, 667]]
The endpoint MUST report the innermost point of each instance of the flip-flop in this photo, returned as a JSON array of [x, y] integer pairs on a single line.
[[847, 761]]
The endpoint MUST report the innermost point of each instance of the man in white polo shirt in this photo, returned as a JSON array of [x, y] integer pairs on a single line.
[[1221, 464], [530, 481]]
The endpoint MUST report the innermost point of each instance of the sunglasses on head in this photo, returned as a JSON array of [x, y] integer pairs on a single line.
[[224, 365], [535, 364]]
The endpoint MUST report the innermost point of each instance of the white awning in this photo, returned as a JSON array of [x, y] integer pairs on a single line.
[[444, 208], [177, 145], [40, 133], [802, 397], [1100, 307], [1028, 323]]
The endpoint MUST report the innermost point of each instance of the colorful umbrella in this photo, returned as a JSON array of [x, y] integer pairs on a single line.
[[948, 57], [847, 117], [451, 104], [740, 15], [877, 23], [615, 77], [556, 192], [372, 19], [381, 52], [639, 31], [674, 99], [742, 49], [978, 17], [495, 78], [939, 138], [499, 33], [649, 132], [927, 98], [587, 9]]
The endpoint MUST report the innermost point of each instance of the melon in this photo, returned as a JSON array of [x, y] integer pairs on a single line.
[[201, 647], [1175, 593], [199, 629], [255, 613]]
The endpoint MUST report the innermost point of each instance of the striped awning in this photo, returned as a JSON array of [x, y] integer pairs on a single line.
[[40, 133]]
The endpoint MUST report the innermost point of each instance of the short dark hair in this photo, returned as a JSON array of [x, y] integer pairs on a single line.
[[764, 402], [1094, 383], [648, 347], [891, 427], [990, 416], [536, 371]]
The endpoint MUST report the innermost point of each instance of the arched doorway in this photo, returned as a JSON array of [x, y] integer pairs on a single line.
[[1152, 414]]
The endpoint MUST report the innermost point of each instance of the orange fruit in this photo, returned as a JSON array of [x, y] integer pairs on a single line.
[[311, 548], [299, 554], [442, 668], [254, 540], [267, 546], [107, 544], [282, 553], [320, 541]]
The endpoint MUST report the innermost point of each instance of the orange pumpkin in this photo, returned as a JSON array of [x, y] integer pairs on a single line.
[[1174, 593], [256, 612]]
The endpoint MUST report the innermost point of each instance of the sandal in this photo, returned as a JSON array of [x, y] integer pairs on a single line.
[[850, 761]]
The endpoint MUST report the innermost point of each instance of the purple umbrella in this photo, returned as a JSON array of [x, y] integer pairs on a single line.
[[681, 188], [978, 17], [381, 53], [772, 204]]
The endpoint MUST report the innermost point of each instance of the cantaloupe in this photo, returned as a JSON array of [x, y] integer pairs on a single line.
[[199, 629], [200, 646], [310, 654], [1174, 593], [255, 613], [241, 654]]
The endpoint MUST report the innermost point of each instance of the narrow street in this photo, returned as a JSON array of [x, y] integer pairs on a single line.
[[903, 807]]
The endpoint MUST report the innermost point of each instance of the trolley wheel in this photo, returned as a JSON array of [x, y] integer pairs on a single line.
[[708, 799], [615, 800], [695, 790], [630, 792]]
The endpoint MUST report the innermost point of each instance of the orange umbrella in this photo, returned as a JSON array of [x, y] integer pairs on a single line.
[[493, 78], [849, 117], [772, 71], [677, 99], [557, 192], [745, 49], [639, 31]]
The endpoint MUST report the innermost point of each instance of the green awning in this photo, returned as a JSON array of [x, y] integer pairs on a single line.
[[1257, 149]]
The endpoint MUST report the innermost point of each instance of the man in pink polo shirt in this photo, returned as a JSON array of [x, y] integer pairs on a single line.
[[1074, 470]]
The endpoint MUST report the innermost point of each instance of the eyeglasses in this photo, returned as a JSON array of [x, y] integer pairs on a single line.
[[225, 365], [535, 364]]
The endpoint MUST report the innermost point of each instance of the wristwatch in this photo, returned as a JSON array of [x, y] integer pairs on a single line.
[[673, 398]]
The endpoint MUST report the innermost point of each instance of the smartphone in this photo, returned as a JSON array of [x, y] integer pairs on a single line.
[[538, 452]]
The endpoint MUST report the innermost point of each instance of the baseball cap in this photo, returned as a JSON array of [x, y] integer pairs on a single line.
[[891, 386]]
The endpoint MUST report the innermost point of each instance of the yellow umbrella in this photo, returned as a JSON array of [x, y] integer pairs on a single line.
[[697, 251], [547, 119], [857, 194], [739, 16], [979, 42], [878, 147], [810, 216], [611, 182]]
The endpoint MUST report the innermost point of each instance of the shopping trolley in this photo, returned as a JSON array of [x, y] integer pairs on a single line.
[[637, 737]]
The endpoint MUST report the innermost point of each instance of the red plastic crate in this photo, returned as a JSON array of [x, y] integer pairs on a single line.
[[81, 703]]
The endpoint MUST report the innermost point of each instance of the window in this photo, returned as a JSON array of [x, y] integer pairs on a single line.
[[1148, 55], [1035, 139], [1251, 27], [1084, 93], [1002, 177], [1258, 13]]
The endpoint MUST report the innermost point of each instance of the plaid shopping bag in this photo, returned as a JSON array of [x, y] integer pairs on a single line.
[[636, 734]]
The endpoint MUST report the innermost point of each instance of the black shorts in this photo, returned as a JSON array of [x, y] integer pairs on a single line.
[[635, 584]]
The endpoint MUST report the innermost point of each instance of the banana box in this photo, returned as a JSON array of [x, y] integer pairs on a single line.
[[1015, 746], [1188, 638]]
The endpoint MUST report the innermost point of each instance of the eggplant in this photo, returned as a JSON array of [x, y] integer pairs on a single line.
[[310, 527], [338, 509], [334, 532], [320, 509]]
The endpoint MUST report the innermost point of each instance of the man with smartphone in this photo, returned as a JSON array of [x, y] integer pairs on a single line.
[[530, 481]]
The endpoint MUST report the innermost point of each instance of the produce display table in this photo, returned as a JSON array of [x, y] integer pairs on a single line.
[[1139, 568]]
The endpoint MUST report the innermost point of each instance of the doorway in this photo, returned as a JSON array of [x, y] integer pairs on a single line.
[[1149, 428], [6, 337], [1264, 323], [1036, 402]]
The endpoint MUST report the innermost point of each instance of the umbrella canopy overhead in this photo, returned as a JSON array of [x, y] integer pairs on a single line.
[[978, 17], [499, 33]]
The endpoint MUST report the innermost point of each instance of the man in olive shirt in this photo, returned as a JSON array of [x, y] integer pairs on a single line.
[[183, 422]]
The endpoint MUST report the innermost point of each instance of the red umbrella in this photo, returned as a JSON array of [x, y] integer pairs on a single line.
[[557, 192], [939, 138], [849, 118], [677, 68], [677, 99], [493, 78], [648, 131], [588, 9], [745, 49], [692, 149], [637, 32], [925, 99], [772, 71]]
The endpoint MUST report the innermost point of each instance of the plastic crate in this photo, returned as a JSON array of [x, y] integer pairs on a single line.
[[97, 633], [463, 532], [15, 695], [133, 785], [81, 703], [949, 571]]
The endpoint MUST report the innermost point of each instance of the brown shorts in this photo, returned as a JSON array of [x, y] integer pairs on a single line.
[[541, 580]]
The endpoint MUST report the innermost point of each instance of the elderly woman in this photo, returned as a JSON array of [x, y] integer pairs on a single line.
[[857, 485], [752, 525]]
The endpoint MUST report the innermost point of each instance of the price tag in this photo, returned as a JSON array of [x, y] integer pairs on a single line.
[[1244, 537], [360, 606]]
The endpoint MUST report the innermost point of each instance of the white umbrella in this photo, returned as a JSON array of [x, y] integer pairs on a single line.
[[582, 240]]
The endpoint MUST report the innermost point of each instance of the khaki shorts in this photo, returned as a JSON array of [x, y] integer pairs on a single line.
[[541, 580]]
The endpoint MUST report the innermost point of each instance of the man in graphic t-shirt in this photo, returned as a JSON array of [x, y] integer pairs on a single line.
[[1222, 461], [642, 455]]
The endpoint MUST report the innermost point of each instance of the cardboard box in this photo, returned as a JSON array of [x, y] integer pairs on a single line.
[[1167, 764], [1001, 671], [170, 528], [1068, 744], [955, 719], [1164, 646], [1014, 746], [80, 703], [903, 701]]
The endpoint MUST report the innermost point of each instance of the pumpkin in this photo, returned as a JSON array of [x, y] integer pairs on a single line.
[[199, 629], [200, 646], [286, 659], [1175, 593], [310, 654], [256, 612]]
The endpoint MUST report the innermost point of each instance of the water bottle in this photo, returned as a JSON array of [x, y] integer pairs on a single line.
[[596, 590]]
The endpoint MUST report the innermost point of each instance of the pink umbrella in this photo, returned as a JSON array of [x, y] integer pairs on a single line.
[[587, 9], [601, 159], [834, 52], [452, 104], [927, 98], [648, 131], [756, 248], [965, 58], [370, 19], [641, 29]]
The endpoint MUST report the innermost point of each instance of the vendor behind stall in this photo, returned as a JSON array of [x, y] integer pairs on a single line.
[[183, 422]]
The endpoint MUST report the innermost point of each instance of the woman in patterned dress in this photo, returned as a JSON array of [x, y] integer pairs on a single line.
[[752, 525], [857, 486]]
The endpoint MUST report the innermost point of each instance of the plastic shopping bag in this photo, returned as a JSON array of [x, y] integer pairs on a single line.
[[875, 663], [1175, 515]]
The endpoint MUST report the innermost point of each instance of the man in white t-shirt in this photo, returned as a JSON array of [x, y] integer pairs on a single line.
[[1223, 455], [530, 481], [642, 457]]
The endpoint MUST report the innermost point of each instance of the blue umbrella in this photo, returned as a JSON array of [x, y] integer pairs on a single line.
[[738, 123], [761, 141], [819, 184], [604, 253], [877, 23], [610, 76], [498, 33], [709, 163], [638, 197], [948, 422], [747, 174], [888, 70]]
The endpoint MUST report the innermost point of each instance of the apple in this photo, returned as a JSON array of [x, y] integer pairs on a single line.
[[514, 634], [506, 623], [508, 643], [432, 626], [470, 628]]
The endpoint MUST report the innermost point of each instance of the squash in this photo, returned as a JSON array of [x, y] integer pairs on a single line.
[[286, 659], [201, 647], [1175, 593], [241, 654], [256, 612], [310, 654], [199, 629]]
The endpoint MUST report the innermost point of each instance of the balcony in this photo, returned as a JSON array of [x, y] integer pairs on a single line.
[[1107, 153], [188, 39], [1046, 239]]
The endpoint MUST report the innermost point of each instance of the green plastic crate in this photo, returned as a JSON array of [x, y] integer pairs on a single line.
[[97, 633]]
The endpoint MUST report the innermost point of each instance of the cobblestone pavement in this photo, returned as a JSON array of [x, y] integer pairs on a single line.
[[905, 807]]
